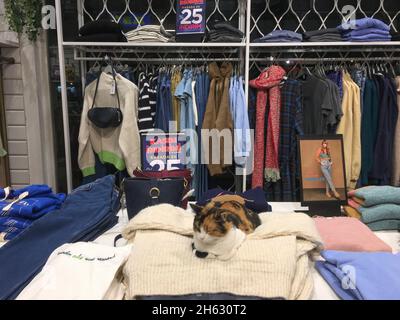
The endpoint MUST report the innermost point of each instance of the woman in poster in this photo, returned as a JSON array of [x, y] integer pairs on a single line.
[[323, 157]]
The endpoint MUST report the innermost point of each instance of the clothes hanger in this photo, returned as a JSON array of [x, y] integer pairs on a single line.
[[290, 72], [109, 69], [95, 67], [386, 68], [377, 70], [391, 72], [397, 68], [370, 70]]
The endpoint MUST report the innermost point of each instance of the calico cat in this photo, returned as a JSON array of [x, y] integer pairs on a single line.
[[218, 217], [221, 226]]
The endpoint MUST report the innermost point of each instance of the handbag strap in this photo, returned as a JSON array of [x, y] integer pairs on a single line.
[[115, 81], [164, 174]]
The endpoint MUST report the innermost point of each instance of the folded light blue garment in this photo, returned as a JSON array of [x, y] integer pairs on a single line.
[[362, 276], [363, 24], [378, 195], [369, 38], [362, 32]]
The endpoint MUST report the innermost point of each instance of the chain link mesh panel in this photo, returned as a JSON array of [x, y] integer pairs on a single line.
[[306, 15], [133, 13]]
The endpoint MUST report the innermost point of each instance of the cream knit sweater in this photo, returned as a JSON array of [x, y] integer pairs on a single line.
[[350, 128], [117, 146], [273, 262]]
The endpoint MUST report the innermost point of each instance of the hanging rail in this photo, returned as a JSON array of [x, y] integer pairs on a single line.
[[163, 60], [323, 49], [305, 59]]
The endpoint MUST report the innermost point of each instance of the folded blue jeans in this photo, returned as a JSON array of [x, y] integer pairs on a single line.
[[86, 213]]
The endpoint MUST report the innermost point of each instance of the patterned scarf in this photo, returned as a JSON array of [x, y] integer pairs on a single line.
[[267, 85]]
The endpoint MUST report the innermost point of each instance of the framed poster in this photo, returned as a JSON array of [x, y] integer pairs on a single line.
[[191, 17], [322, 168], [163, 151]]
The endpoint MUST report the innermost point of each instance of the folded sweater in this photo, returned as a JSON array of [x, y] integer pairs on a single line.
[[362, 276], [282, 34], [15, 222], [380, 212], [373, 195], [275, 258], [226, 26], [30, 208], [362, 32], [322, 32], [348, 234], [9, 233], [33, 190], [325, 38], [369, 38], [99, 27], [364, 23], [380, 217], [102, 37]]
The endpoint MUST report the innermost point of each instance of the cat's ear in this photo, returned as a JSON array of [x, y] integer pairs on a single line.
[[197, 209]]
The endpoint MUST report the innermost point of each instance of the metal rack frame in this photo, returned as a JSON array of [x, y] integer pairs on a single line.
[[249, 20]]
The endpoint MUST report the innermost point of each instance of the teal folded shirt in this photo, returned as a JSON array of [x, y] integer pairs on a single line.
[[380, 212], [378, 195], [384, 225]]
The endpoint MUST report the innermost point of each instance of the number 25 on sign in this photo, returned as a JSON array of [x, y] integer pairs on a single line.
[[191, 16]]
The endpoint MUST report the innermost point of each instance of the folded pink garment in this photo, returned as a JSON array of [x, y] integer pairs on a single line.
[[353, 204], [348, 234]]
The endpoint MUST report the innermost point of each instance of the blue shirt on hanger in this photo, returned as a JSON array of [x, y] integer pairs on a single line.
[[187, 119]]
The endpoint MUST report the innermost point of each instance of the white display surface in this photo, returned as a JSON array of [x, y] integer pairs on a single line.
[[322, 290]]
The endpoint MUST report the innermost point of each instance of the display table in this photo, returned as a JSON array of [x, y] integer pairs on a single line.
[[322, 290]]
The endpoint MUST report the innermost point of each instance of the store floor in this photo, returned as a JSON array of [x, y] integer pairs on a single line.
[[319, 195]]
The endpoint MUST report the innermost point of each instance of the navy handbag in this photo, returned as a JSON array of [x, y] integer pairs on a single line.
[[142, 192]]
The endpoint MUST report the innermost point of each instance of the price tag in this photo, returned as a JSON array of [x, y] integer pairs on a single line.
[[113, 87], [191, 17]]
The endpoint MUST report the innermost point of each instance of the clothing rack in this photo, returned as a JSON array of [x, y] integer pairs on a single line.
[[253, 18]]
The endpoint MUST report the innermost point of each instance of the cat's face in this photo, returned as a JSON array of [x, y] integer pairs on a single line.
[[212, 221]]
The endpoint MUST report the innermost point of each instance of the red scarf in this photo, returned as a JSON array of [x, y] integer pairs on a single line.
[[267, 84]]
